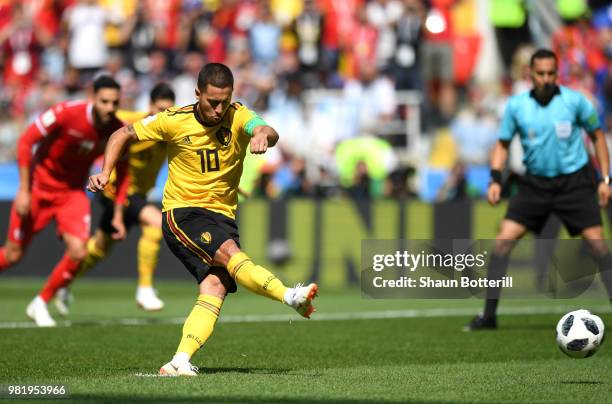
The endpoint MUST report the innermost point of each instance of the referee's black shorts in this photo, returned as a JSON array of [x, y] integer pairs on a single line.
[[195, 234], [571, 197]]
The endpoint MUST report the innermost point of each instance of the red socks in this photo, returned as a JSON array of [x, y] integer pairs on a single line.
[[3, 261], [61, 276]]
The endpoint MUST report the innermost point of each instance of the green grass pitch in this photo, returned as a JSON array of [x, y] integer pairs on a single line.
[[417, 354]]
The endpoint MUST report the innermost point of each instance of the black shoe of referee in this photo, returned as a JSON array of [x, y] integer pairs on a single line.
[[480, 322]]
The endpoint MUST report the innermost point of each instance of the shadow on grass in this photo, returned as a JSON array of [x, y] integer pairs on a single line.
[[261, 371], [581, 382], [95, 398]]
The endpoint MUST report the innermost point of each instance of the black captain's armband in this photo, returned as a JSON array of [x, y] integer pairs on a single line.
[[496, 176]]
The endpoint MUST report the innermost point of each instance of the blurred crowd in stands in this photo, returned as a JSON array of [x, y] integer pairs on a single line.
[[336, 78]]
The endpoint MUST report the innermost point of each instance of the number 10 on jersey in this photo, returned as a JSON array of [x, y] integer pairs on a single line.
[[209, 159]]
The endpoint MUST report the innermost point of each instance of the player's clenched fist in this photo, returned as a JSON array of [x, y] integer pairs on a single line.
[[259, 143], [97, 182]]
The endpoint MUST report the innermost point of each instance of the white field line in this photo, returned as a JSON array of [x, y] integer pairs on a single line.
[[362, 315]]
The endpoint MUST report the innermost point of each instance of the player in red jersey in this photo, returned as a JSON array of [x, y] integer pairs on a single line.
[[67, 139]]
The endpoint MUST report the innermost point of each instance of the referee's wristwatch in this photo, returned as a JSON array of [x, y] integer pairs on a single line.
[[606, 179]]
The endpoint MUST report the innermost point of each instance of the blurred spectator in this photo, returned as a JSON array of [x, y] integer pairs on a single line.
[[158, 71], [308, 27], [510, 21], [520, 70], [286, 11], [605, 96], [576, 42], [384, 15], [406, 65], [289, 179], [361, 50], [118, 12], [22, 42], [286, 114], [203, 36], [139, 37], [438, 65], [475, 127], [264, 37], [363, 165], [456, 187], [398, 184], [372, 97], [360, 186], [251, 86], [338, 20], [9, 134], [185, 82], [165, 17], [84, 23]]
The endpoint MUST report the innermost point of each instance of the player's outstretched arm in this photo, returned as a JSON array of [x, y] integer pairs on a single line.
[[263, 137], [113, 150]]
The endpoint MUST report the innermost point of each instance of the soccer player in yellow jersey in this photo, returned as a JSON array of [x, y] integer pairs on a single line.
[[145, 161], [207, 142]]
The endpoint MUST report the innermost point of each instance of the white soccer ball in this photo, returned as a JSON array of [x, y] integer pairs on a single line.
[[580, 333]]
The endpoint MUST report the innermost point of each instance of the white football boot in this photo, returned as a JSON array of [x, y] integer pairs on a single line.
[[38, 312], [63, 300], [182, 369], [147, 299], [301, 297]]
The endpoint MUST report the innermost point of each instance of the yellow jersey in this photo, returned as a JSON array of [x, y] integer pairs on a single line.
[[204, 162], [145, 161]]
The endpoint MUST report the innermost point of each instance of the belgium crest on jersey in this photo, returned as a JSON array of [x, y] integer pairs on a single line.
[[224, 136]]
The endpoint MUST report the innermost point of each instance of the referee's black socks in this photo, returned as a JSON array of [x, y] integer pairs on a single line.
[[498, 266]]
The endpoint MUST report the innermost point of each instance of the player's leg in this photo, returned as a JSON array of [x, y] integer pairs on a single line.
[[215, 237], [10, 254], [62, 275], [97, 247], [100, 244], [150, 218], [529, 209], [21, 230], [214, 284], [601, 254], [579, 210], [72, 214], [200, 323], [505, 240], [259, 280]]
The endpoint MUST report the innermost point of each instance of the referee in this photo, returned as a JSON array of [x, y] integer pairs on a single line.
[[560, 180]]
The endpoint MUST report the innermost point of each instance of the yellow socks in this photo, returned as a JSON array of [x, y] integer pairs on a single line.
[[200, 324], [255, 278], [148, 254], [94, 255]]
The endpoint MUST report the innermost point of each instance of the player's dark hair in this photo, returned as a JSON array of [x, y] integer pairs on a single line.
[[162, 91], [105, 81], [215, 74], [543, 54]]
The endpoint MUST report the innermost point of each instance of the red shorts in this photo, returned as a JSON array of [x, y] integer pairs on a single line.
[[70, 209]]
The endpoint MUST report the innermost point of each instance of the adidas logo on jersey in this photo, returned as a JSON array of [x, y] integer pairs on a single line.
[[186, 140]]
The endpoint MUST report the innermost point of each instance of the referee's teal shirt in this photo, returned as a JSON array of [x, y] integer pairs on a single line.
[[551, 135]]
